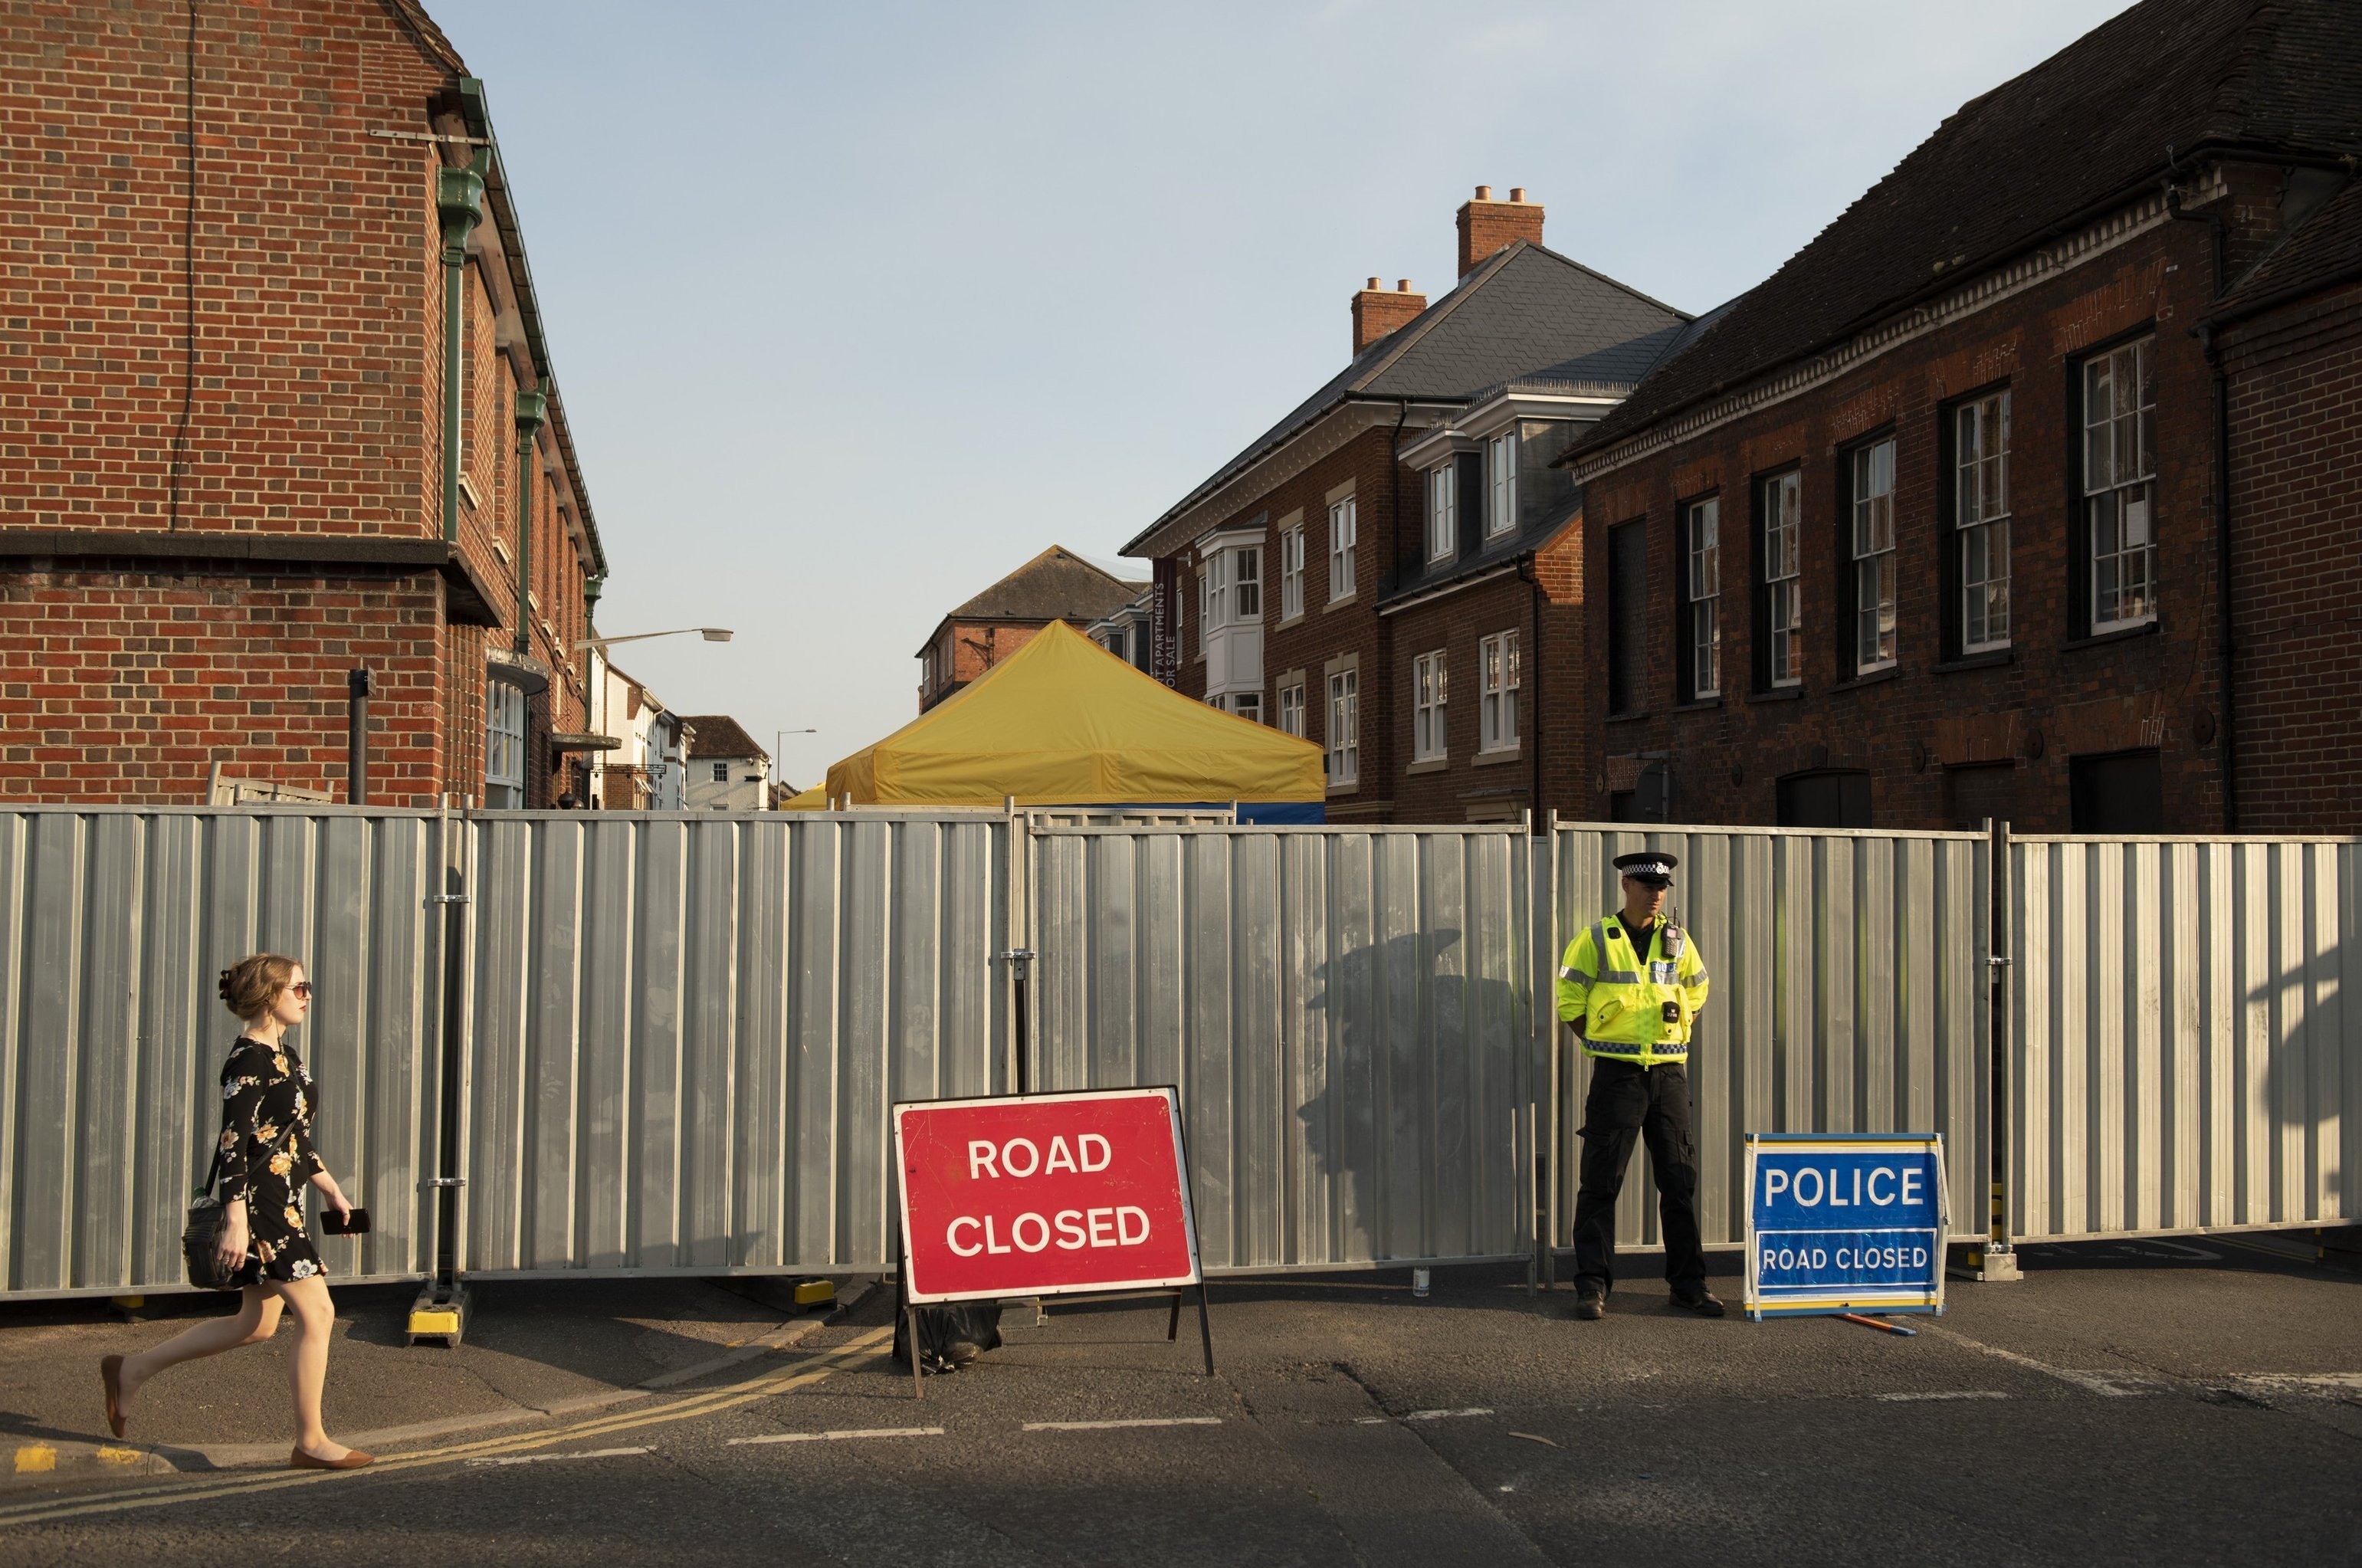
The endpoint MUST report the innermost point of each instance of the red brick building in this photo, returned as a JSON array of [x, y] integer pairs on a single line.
[[1932, 525], [1056, 585], [225, 394], [1394, 569]]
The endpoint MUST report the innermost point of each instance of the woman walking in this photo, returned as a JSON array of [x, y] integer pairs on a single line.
[[264, 1155]]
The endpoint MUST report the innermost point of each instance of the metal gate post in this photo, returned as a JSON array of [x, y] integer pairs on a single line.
[[441, 1310], [1546, 1005], [1997, 1259]]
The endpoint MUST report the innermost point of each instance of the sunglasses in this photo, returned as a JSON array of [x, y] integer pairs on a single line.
[[302, 989]]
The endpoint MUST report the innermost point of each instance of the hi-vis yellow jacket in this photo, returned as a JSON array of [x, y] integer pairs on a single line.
[[1623, 1004]]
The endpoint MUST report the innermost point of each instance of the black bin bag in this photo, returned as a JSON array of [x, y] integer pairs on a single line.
[[944, 1333]]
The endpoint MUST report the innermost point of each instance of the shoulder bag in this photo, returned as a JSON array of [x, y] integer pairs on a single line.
[[200, 1237]]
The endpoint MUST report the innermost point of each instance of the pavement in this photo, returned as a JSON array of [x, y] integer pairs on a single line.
[[2126, 1402]]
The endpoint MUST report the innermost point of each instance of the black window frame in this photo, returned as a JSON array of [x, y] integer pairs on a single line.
[[1627, 687], [1786, 787], [1848, 575]]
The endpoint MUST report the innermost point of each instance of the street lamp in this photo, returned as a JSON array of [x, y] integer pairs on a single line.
[[711, 634]]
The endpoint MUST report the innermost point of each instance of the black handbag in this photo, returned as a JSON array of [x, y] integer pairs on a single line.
[[200, 1237]]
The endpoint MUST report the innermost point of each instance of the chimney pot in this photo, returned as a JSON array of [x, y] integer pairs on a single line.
[[1517, 192], [1483, 193], [1374, 282], [1402, 285]]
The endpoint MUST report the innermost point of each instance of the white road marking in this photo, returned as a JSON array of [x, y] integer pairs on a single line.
[[1110, 1426], [840, 1435], [2321, 1382], [547, 1458], [2110, 1384], [1947, 1394], [1448, 1415]]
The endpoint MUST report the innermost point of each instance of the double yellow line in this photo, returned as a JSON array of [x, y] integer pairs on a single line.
[[200, 1488]]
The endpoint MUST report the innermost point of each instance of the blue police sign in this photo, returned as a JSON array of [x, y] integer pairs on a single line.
[[1845, 1222]]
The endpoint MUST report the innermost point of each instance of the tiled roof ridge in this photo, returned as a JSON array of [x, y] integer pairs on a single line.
[[719, 735], [430, 39]]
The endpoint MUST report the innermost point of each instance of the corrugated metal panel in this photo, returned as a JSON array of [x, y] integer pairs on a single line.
[[685, 1030], [1346, 1014], [1849, 995], [114, 926], [2184, 1058]]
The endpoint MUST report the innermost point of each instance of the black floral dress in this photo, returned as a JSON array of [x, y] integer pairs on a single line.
[[266, 1157]]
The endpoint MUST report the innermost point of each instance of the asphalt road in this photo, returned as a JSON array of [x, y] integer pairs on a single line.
[[2141, 1402]]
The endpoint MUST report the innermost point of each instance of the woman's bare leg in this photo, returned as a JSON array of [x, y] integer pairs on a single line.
[[255, 1318], [307, 1370]]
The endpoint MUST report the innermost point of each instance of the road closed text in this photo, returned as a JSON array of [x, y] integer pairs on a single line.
[[1034, 1230]]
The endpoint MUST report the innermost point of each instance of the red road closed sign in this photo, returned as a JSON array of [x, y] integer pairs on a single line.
[[1043, 1195]]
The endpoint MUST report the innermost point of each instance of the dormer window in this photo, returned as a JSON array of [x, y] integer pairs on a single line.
[[1443, 511], [1501, 469]]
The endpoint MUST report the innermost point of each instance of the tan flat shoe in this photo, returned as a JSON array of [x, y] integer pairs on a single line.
[[110, 1372], [353, 1460]]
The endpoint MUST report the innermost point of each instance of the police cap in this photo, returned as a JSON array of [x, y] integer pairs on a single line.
[[1653, 866]]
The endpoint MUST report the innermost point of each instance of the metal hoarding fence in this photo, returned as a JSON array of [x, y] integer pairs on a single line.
[[1849, 994], [115, 924], [686, 1031], [1345, 1012], [2186, 1058]]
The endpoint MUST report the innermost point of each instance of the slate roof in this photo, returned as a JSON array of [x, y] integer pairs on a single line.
[[1524, 311], [1056, 585], [2083, 130], [2324, 249], [719, 735]]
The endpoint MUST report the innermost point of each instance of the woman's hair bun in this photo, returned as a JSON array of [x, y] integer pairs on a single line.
[[249, 985]]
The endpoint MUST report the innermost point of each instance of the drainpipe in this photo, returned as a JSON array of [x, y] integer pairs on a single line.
[[531, 407], [459, 202], [2221, 384], [1530, 716]]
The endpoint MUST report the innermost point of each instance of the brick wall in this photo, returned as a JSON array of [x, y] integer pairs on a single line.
[[2055, 692], [2295, 376]]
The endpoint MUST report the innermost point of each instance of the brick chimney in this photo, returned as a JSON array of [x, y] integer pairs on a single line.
[[1486, 225], [1377, 311]]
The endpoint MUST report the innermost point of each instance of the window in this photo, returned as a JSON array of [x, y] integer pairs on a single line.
[[1246, 573], [2122, 792], [1113, 641], [1205, 599], [1832, 797], [1702, 540], [1291, 573], [1501, 457], [1291, 708], [1248, 706], [1873, 555], [1139, 645], [722, 773], [1980, 520], [2119, 487], [503, 747], [1345, 726], [1783, 594], [1628, 613], [1342, 527], [1496, 692], [927, 671], [1427, 707], [1443, 511]]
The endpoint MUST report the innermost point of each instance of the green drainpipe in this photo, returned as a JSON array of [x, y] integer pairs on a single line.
[[531, 408], [459, 202]]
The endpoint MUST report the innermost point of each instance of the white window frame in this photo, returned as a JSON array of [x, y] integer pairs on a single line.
[[1205, 597], [2120, 486], [505, 727], [1344, 745], [1442, 510], [1291, 708], [1429, 707], [1247, 705], [1344, 533], [1501, 463], [1783, 586], [1291, 572], [1498, 677], [1246, 586], [1702, 553], [1875, 633], [1980, 520]]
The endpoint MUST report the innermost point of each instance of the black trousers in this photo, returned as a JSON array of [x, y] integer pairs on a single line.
[[1628, 1103]]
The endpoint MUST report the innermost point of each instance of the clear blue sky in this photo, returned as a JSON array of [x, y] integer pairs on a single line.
[[857, 307]]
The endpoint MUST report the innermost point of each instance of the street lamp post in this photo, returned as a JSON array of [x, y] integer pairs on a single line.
[[711, 634]]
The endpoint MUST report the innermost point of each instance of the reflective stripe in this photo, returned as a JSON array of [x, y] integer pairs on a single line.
[[1573, 974], [1618, 978], [1697, 979]]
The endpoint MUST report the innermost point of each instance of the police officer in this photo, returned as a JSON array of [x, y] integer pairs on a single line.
[[1631, 986]]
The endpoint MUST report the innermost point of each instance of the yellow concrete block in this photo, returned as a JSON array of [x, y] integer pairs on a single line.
[[36, 1456], [120, 1455], [812, 1292], [435, 1321]]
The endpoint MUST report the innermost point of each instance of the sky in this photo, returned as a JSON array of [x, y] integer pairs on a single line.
[[855, 309]]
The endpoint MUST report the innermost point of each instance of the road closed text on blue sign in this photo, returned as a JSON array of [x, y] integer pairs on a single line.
[[1845, 1223]]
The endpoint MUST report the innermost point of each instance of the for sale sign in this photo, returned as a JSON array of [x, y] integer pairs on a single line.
[[1043, 1195], [1845, 1222]]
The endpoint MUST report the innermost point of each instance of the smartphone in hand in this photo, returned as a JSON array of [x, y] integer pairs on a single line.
[[354, 1223]]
